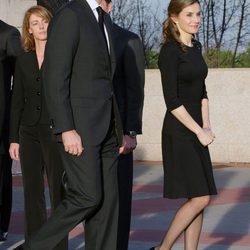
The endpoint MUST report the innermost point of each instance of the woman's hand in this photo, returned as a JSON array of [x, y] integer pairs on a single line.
[[209, 131], [205, 136], [14, 151]]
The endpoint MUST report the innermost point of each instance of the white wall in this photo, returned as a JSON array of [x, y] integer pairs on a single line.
[[229, 95], [12, 11]]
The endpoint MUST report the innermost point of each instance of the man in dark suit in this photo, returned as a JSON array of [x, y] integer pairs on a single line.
[[129, 90], [10, 47], [52, 5], [78, 70]]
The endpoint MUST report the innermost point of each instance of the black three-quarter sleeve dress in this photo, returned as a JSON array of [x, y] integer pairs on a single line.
[[187, 166]]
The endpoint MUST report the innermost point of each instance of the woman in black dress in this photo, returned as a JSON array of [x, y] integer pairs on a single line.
[[186, 130], [30, 133]]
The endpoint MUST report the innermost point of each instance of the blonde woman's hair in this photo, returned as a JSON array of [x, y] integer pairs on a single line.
[[28, 41], [170, 30]]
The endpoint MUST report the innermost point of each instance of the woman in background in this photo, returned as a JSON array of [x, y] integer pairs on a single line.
[[186, 131], [30, 133]]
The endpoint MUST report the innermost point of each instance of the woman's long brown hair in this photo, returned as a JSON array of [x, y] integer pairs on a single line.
[[28, 41], [170, 30]]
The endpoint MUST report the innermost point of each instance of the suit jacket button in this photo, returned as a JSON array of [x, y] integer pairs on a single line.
[[38, 78], [38, 108], [38, 93]]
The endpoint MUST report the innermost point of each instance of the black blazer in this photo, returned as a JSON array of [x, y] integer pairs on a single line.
[[78, 73], [10, 47], [129, 78], [28, 104], [52, 5]]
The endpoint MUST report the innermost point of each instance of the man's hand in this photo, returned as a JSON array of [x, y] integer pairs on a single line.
[[128, 145], [14, 151], [72, 143]]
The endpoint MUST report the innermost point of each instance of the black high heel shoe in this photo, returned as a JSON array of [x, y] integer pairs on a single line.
[[152, 248]]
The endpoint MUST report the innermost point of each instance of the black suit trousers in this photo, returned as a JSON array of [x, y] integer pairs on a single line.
[[125, 184], [91, 196], [39, 154], [6, 191]]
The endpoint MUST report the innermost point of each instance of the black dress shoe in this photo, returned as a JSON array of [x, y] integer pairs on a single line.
[[3, 236]]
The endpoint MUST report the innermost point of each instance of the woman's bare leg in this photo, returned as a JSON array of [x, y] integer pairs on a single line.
[[183, 218], [192, 233]]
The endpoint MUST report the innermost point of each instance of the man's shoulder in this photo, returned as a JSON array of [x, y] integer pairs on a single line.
[[124, 32], [64, 8], [4, 26], [67, 14], [69, 8], [7, 28]]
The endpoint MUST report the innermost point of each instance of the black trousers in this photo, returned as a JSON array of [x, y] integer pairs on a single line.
[[39, 154], [91, 196], [5, 191], [125, 183]]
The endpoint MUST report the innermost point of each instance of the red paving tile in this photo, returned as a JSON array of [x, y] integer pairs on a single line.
[[148, 188], [77, 232], [231, 195], [18, 182], [155, 205], [17, 223]]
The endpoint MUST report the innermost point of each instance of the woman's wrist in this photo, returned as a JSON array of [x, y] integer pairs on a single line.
[[206, 126], [198, 131]]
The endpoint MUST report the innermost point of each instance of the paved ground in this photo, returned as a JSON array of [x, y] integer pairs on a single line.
[[227, 219]]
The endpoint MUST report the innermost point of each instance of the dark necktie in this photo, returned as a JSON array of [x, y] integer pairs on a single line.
[[101, 23]]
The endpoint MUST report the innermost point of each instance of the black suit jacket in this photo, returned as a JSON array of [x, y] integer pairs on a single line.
[[28, 104], [129, 78], [10, 47], [52, 5], [78, 73]]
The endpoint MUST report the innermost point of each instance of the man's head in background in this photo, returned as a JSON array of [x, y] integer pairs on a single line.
[[106, 5]]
